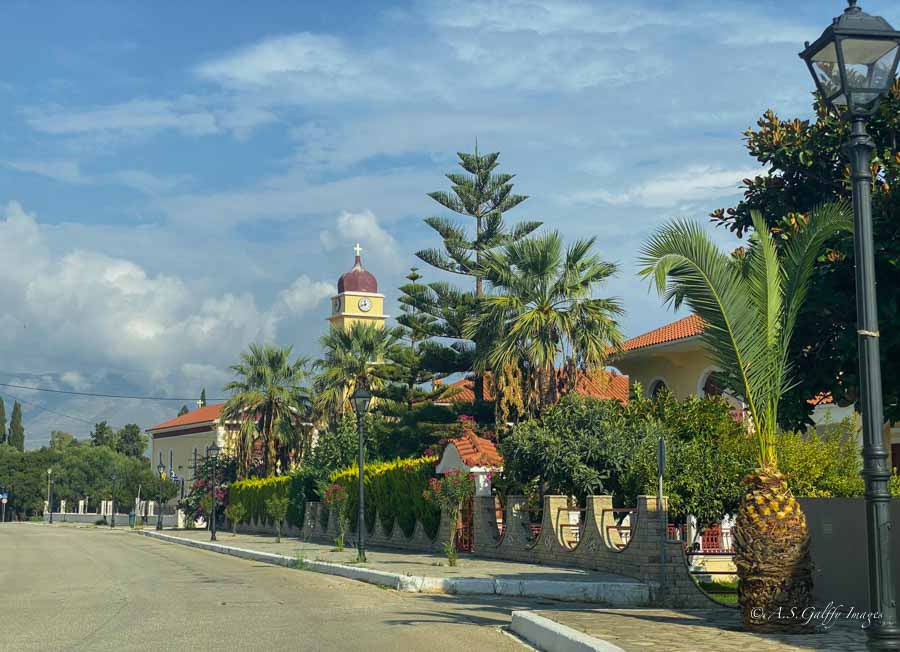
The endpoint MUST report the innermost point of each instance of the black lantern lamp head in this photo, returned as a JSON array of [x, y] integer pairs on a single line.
[[854, 61], [360, 399], [213, 451]]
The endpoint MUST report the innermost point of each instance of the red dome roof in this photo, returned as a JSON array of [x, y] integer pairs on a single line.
[[357, 280]]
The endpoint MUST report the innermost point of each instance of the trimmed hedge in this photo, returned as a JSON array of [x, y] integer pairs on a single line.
[[253, 494], [393, 491]]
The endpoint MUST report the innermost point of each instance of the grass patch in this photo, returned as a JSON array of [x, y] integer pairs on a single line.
[[722, 592]]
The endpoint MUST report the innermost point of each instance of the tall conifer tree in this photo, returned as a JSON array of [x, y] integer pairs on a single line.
[[2, 422], [16, 429], [484, 195]]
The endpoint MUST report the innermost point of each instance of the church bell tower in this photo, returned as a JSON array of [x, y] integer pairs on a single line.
[[357, 300]]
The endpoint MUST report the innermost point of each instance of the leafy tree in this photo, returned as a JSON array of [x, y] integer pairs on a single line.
[[234, 512], [806, 168], [541, 308], [269, 391], [2, 422], [355, 357], [131, 441], [483, 194], [184, 410], [60, 439], [16, 429], [449, 493], [277, 507], [337, 447], [103, 435], [750, 305]]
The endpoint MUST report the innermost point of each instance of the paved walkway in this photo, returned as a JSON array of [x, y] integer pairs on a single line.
[[406, 562], [655, 630]]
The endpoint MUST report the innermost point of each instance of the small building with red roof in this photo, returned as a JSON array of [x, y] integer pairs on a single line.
[[471, 454]]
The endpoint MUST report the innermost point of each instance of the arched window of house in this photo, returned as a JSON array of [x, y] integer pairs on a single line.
[[712, 386], [194, 463], [171, 459], [657, 388]]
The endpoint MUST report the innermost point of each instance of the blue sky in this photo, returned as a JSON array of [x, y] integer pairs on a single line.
[[180, 179]]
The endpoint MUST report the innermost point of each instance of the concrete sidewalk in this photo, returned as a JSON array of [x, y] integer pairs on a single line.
[[668, 630], [425, 572]]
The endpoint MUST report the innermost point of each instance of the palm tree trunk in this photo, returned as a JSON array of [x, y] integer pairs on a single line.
[[772, 554]]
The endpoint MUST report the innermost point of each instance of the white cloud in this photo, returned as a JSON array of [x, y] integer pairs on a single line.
[[86, 310], [68, 171], [693, 184], [361, 227], [304, 295], [136, 115]]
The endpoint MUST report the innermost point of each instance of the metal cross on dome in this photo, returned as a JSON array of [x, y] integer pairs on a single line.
[[357, 249]]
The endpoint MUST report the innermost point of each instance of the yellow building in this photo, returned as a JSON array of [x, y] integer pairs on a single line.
[[180, 444], [357, 300]]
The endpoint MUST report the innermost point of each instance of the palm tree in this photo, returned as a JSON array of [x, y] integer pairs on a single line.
[[355, 357], [749, 303], [268, 394], [541, 309]]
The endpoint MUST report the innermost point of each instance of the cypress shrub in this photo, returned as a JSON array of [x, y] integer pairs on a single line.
[[394, 490]]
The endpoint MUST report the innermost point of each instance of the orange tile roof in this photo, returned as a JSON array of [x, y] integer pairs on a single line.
[[477, 451], [200, 415], [689, 326], [601, 385], [824, 398]]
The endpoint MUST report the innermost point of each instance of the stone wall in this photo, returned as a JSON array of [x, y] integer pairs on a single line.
[[599, 547]]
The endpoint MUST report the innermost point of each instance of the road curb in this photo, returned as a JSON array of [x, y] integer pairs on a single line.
[[550, 636], [619, 594]]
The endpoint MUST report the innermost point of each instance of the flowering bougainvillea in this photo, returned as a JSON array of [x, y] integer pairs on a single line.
[[336, 498]]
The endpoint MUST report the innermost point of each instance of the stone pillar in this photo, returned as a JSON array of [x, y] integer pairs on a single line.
[[46, 507], [81, 507], [484, 522], [62, 507]]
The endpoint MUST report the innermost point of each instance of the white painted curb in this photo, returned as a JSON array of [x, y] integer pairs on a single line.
[[618, 594], [550, 636]]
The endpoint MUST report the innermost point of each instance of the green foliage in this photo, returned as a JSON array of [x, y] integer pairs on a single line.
[[335, 497], [60, 439], [587, 446], [805, 167], [254, 496], [129, 440], [184, 410], [276, 508], [395, 490], [103, 435], [235, 512], [271, 387], [749, 303], [541, 309], [78, 471], [357, 357], [448, 494], [2, 422], [822, 465], [485, 195], [16, 429]]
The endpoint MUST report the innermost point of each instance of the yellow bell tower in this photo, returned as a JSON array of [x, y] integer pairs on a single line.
[[357, 299]]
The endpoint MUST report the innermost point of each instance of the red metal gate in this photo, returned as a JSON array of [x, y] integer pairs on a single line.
[[465, 530]]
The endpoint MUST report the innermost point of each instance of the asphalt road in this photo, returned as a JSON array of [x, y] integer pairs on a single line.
[[67, 588]]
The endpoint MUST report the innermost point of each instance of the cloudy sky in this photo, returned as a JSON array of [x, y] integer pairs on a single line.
[[180, 179]]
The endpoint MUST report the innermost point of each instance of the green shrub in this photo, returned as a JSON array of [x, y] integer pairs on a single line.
[[395, 491], [448, 494], [254, 494], [822, 465], [276, 508]]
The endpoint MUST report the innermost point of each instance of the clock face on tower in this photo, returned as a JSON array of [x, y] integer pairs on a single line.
[[364, 304], [335, 305]]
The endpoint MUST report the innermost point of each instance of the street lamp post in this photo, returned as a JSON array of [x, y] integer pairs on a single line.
[[360, 400], [49, 496], [161, 469], [112, 502], [213, 453], [854, 63]]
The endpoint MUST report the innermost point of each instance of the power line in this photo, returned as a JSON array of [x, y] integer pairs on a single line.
[[40, 407], [120, 396]]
